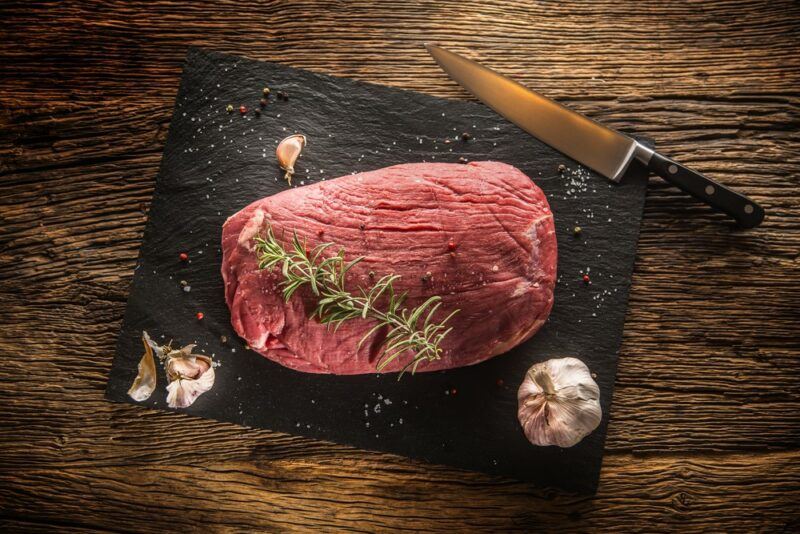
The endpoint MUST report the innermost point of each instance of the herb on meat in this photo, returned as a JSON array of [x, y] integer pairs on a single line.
[[409, 330]]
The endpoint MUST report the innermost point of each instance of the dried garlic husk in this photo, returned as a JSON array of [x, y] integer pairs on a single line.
[[288, 151], [190, 375], [145, 382], [558, 402]]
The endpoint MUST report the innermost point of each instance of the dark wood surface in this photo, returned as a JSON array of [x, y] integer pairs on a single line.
[[705, 428]]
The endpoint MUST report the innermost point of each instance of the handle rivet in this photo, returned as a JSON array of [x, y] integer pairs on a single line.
[[748, 209], [672, 169], [710, 190]]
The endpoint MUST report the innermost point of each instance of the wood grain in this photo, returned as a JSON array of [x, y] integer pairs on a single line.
[[705, 428]]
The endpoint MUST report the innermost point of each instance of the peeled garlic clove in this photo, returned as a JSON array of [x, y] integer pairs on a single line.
[[145, 382], [288, 151], [558, 403], [190, 376]]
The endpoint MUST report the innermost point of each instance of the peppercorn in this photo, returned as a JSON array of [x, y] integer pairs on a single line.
[[242, 109], [499, 382], [200, 316], [229, 108], [183, 256], [466, 136], [562, 168], [320, 232], [577, 230], [453, 391], [265, 92], [372, 274], [361, 227], [451, 245], [184, 283], [427, 276], [224, 339], [257, 112], [585, 278], [463, 160], [447, 141], [262, 102]]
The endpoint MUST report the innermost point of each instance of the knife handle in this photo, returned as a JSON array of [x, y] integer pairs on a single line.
[[747, 213]]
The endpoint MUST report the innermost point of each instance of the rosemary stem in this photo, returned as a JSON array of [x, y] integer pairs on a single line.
[[326, 278]]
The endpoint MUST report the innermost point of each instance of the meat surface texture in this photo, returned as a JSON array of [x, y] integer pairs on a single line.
[[479, 235]]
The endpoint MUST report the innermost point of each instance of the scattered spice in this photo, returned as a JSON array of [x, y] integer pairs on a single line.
[[586, 279], [453, 391], [427, 276], [282, 95], [499, 382], [183, 256], [463, 160], [447, 141], [265, 92], [466, 136], [372, 274], [361, 227], [562, 168], [229, 108], [242, 109], [451, 245], [184, 283], [200, 316], [577, 230], [320, 232], [262, 102], [224, 339], [187, 289]]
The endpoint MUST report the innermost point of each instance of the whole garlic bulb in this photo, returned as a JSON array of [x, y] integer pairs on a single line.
[[558, 402]]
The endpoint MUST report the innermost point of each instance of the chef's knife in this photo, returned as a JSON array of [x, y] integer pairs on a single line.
[[602, 149]]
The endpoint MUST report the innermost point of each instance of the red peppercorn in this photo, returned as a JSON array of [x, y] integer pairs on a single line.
[[499, 382], [451, 245], [242, 109], [320, 232], [200, 316], [453, 391], [586, 278], [183, 256]]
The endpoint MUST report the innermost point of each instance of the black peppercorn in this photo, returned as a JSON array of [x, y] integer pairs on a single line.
[[463, 160], [466, 136]]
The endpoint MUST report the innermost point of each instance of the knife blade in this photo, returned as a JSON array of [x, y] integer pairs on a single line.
[[602, 149]]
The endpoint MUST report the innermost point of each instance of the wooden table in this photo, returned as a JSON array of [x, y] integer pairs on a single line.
[[705, 428]]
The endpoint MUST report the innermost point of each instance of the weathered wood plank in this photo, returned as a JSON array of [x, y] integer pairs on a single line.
[[719, 493]]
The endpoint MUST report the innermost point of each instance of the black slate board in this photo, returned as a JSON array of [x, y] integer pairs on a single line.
[[217, 162]]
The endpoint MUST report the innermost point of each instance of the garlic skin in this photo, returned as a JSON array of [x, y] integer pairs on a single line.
[[558, 403], [190, 375], [288, 151], [145, 382]]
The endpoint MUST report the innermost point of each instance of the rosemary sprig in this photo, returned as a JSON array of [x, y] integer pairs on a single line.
[[411, 330]]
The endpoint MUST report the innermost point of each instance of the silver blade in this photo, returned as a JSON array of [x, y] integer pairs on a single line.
[[602, 149]]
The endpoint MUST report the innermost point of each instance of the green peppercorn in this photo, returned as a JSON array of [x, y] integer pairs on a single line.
[[229, 108]]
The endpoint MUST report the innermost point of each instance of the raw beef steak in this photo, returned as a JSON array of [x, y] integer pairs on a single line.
[[479, 235]]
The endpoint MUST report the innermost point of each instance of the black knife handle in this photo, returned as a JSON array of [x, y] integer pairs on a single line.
[[747, 213]]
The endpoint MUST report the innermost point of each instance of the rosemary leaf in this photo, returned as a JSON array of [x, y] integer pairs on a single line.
[[326, 278]]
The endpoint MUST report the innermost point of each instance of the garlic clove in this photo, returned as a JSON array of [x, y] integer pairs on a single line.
[[190, 376], [288, 151], [145, 382], [558, 403]]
